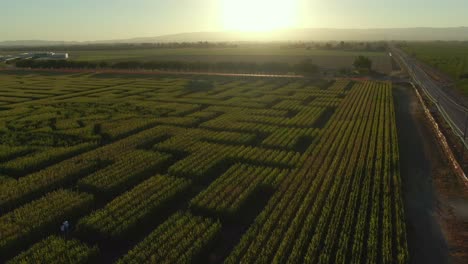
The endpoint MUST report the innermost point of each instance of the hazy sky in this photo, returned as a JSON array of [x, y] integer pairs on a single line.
[[115, 19]]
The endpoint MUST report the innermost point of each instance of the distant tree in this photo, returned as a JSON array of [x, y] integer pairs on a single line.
[[103, 64], [343, 71], [342, 45], [306, 67], [368, 47], [275, 67], [362, 62]]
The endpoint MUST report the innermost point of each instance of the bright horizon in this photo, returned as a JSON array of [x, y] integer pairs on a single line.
[[88, 20]]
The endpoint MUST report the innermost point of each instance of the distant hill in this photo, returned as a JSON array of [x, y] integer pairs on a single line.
[[310, 34], [319, 34]]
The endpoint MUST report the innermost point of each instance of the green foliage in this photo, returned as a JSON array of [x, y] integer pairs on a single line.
[[133, 208], [311, 164], [451, 58], [289, 138], [302, 223], [42, 158], [4, 179], [57, 250], [178, 240], [127, 170], [33, 220], [116, 130], [307, 68], [210, 158], [199, 86], [362, 62], [227, 194], [11, 152], [59, 174]]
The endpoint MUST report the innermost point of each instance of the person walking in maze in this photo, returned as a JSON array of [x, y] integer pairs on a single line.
[[65, 227]]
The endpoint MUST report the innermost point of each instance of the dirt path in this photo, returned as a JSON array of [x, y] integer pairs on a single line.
[[419, 156]]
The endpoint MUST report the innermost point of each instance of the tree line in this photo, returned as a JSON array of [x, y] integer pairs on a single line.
[[338, 45], [305, 67]]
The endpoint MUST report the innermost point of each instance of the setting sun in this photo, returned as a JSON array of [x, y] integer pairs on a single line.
[[259, 15]]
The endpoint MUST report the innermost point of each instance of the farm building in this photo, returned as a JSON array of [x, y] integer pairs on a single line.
[[36, 55], [51, 56]]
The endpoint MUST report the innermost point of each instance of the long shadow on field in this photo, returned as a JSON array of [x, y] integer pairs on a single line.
[[417, 150]]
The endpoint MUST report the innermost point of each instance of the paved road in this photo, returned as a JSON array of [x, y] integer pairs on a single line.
[[456, 113]]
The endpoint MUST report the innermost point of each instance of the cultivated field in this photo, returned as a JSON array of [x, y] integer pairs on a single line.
[[329, 59], [148, 170], [449, 57]]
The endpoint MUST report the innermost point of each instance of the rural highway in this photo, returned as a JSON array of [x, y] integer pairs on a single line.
[[454, 112]]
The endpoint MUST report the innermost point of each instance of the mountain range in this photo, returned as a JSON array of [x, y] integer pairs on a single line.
[[307, 34]]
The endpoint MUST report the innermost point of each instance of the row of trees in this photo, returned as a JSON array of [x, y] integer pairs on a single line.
[[339, 45], [303, 67]]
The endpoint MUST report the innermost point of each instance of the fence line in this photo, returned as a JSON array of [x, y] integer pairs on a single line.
[[442, 139]]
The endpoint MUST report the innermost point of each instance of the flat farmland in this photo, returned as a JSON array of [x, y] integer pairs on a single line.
[[152, 170], [451, 58], [329, 59]]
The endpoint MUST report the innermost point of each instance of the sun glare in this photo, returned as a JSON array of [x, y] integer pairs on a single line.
[[259, 15]]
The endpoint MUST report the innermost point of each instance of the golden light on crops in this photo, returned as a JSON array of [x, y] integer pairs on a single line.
[[259, 15]]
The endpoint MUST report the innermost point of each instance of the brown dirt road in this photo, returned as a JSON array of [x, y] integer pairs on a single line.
[[435, 200]]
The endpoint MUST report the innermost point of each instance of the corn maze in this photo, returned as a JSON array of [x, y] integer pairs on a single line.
[[148, 170]]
